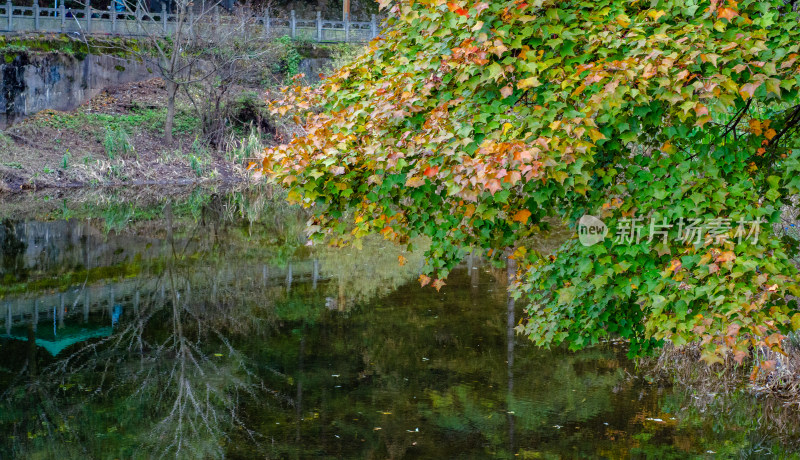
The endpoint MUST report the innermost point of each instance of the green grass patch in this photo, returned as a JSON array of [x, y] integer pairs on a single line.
[[139, 119], [117, 142]]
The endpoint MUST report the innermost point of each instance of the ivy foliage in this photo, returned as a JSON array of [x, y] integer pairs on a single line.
[[472, 123]]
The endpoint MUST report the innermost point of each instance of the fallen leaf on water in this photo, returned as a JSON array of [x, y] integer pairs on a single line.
[[438, 284], [424, 280]]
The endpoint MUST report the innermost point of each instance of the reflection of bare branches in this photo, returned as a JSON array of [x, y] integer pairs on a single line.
[[172, 363]]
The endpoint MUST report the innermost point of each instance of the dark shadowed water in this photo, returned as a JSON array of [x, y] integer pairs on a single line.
[[203, 326]]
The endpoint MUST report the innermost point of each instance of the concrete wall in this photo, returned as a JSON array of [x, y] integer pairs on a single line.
[[34, 82], [312, 67]]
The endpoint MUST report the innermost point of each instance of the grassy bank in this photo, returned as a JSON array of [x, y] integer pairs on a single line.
[[117, 137]]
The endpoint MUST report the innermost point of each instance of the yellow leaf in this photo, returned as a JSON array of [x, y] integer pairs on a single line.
[[469, 210], [560, 176], [623, 20], [415, 182], [711, 357], [506, 127], [596, 135], [578, 90], [531, 82], [655, 14], [424, 280], [774, 86]]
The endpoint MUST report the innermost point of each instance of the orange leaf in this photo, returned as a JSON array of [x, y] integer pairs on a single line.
[[727, 13], [774, 340], [701, 110], [402, 260], [438, 284], [424, 280], [674, 265], [727, 256], [431, 171], [522, 216]]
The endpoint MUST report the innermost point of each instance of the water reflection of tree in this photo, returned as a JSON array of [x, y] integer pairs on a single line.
[[373, 270], [222, 356], [11, 252], [418, 360], [169, 377]]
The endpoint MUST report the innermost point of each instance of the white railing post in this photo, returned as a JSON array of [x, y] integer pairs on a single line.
[[139, 19], [293, 24], [319, 26], [164, 16], [347, 28], [10, 11], [373, 26], [35, 15], [62, 12], [114, 17], [216, 16], [267, 30]]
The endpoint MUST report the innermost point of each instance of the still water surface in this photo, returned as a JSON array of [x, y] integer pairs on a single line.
[[205, 327]]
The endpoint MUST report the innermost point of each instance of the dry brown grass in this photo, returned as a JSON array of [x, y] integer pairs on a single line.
[[771, 376], [57, 149], [768, 394]]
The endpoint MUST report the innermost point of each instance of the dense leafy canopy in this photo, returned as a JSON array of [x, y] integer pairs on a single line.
[[473, 122]]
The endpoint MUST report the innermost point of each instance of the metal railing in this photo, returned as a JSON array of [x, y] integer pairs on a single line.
[[22, 19]]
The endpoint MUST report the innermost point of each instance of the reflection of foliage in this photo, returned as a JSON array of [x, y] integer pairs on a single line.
[[372, 270], [265, 359]]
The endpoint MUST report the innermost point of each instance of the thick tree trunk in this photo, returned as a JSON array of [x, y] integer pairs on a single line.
[[172, 90]]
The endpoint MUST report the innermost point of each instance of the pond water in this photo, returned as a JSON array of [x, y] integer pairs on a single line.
[[204, 326]]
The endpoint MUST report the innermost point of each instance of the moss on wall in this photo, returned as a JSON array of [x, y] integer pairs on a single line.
[[12, 46]]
